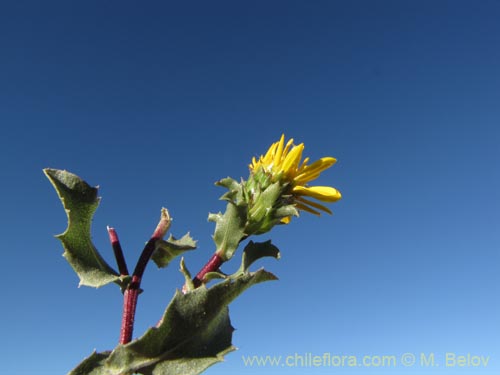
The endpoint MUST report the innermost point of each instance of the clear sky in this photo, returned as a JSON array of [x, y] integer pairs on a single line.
[[155, 101]]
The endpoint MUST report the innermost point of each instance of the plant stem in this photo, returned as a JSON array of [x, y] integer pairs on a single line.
[[129, 306], [131, 294], [117, 249], [212, 265]]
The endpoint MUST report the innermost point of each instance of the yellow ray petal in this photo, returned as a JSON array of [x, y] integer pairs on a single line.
[[318, 166], [286, 220], [322, 193], [314, 204], [304, 164], [292, 159], [268, 158], [279, 151], [304, 178], [303, 207], [287, 148]]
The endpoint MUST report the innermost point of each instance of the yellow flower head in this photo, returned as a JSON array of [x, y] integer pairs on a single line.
[[282, 162]]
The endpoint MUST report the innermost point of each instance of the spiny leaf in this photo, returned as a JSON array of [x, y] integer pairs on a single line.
[[254, 251], [194, 333], [229, 183], [235, 190], [80, 201], [189, 285], [209, 276], [229, 229], [191, 366], [92, 365], [213, 218], [171, 248]]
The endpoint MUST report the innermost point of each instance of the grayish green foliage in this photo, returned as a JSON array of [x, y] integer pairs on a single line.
[[167, 250], [254, 251], [195, 331], [229, 229], [80, 201]]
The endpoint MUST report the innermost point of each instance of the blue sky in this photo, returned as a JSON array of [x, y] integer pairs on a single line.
[[155, 101]]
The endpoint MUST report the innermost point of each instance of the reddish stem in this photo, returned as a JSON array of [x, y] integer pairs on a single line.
[[129, 307], [212, 265], [131, 294], [117, 249]]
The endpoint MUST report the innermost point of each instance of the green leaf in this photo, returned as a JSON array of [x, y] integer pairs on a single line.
[[254, 251], [209, 276], [80, 201], [191, 365], [92, 365], [229, 183], [194, 333], [229, 229], [235, 193], [214, 218], [167, 250], [286, 211], [188, 279]]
